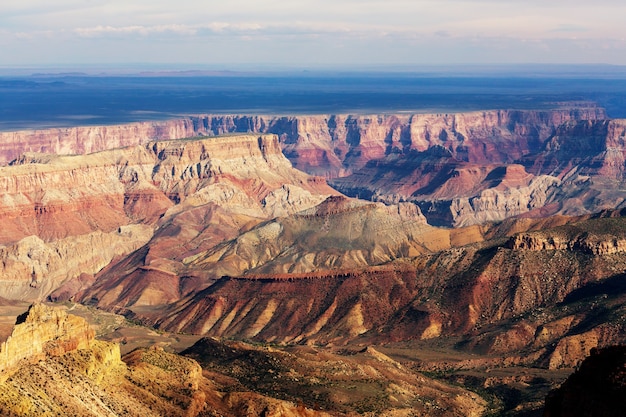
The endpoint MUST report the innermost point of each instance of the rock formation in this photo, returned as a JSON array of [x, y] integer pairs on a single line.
[[454, 192], [328, 145], [221, 236], [52, 365], [64, 216], [526, 298], [44, 331], [577, 170]]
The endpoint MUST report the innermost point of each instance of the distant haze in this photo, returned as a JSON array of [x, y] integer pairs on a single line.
[[310, 33]]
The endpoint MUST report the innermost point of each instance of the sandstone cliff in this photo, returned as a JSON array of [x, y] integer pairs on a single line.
[[90, 139], [583, 148], [44, 331], [340, 145], [579, 169]]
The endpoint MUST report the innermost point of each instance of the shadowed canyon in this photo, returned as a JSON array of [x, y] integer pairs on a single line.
[[399, 264]]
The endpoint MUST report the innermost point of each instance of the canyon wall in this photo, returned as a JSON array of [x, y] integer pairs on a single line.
[[327, 145], [448, 163], [66, 217]]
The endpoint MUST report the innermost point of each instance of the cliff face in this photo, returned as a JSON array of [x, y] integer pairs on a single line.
[[327, 145], [52, 365], [390, 157], [44, 331], [89, 139], [64, 216], [583, 148], [579, 169]]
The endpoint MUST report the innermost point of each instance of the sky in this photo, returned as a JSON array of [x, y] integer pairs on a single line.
[[310, 33]]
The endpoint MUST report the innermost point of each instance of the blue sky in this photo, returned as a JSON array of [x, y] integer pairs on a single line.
[[320, 33]]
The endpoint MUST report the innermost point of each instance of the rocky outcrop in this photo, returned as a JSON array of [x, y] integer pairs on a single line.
[[43, 331], [339, 233], [52, 365], [451, 192], [569, 239]]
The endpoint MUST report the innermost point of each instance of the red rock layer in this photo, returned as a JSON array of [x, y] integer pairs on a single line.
[[522, 299]]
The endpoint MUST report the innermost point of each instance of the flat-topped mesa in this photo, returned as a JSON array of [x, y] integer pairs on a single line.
[[201, 158], [44, 331], [89, 139]]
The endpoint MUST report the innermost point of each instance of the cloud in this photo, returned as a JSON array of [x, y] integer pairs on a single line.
[[391, 29], [103, 31]]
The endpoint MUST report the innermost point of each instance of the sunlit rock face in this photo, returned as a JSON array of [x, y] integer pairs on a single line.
[[43, 331]]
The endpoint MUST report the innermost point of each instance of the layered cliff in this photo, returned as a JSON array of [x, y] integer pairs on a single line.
[[388, 147], [67, 216], [328, 145], [583, 148], [579, 169], [90, 139], [43, 331]]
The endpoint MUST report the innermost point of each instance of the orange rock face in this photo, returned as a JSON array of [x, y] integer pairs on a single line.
[[44, 331]]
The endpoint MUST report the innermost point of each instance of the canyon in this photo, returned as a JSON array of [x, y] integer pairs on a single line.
[[497, 237], [53, 364]]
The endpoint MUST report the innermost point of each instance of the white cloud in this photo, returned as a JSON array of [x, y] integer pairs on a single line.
[[487, 26]]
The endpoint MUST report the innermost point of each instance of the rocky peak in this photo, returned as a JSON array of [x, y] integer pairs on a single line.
[[44, 331]]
